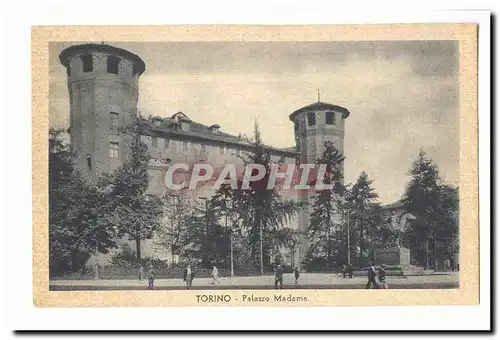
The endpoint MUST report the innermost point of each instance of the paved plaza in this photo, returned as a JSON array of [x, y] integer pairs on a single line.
[[306, 281]]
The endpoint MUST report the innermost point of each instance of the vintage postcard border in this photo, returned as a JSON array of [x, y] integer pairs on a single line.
[[468, 293]]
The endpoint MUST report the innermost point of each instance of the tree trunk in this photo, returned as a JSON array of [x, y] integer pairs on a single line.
[[138, 249], [427, 254], [435, 256]]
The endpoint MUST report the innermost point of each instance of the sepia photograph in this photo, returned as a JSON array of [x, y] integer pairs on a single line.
[[255, 166]]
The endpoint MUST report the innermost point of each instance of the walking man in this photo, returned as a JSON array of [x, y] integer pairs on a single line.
[[381, 277], [278, 277], [371, 277], [215, 275], [350, 270], [296, 272], [188, 276], [151, 277], [141, 273]]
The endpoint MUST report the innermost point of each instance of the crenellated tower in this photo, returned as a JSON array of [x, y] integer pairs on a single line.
[[103, 85], [313, 126]]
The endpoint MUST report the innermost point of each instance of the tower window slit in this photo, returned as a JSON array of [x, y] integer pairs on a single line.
[[330, 118], [88, 65], [311, 118], [113, 63]]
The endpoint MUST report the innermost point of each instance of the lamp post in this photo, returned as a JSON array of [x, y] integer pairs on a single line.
[[348, 239], [230, 239], [206, 215]]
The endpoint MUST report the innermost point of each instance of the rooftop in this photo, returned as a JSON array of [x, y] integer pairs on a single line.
[[197, 131], [317, 106], [69, 52]]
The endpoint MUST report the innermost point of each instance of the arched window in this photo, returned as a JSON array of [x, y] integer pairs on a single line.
[[113, 63], [88, 65]]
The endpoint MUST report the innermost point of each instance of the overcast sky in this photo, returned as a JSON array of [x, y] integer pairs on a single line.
[[402, 96]]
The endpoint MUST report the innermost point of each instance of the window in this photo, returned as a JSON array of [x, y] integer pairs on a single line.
[[88, 65], [311, 118], [166, 143], [203, 148], [113, 63], [185, 126], [114, 149], [221, 150], [154, 142], [185, 145], [114, 118], [330, 118]]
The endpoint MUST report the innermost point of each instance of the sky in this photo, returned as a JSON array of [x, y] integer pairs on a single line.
[[402, 95]]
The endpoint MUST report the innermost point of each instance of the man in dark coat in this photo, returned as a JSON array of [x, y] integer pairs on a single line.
[[381, 277], [296, 273], [151, 277], [278, 277], [371, 277], [350, 270]]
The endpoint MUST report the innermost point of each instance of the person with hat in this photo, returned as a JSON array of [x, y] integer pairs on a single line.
[[278, 277], [188, 276], [151, 277], [141, 273], [215, 275], [371, 277], [381, 277], [296, 273]]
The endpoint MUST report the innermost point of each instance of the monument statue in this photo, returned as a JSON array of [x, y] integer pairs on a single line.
[[399, 225]]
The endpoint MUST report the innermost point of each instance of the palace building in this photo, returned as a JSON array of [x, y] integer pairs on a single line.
[[103, 86]]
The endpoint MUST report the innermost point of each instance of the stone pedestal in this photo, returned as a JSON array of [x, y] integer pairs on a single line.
[[394, 256]]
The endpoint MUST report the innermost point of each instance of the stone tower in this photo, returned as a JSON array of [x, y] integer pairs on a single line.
[[313, 125], [103, 92]]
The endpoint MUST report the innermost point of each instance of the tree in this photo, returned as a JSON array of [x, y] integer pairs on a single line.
[[80, 218], [447, 235], [174, 232], [434, 233], [364, 213], [138, 214], [323, 221], [257, 212]]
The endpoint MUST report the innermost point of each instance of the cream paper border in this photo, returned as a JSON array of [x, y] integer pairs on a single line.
[[467, 294]]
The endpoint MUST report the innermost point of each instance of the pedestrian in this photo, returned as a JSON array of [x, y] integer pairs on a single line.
[[151, 277], [278, 277], [344, 271], [381, 278], [296, 273], [350, 270], [215, 275], [141, 273], [188, 276], [371, 277]]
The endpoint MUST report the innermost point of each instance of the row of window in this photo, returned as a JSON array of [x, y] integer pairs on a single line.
[[329, 118], [185, 146], [111, 67]]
